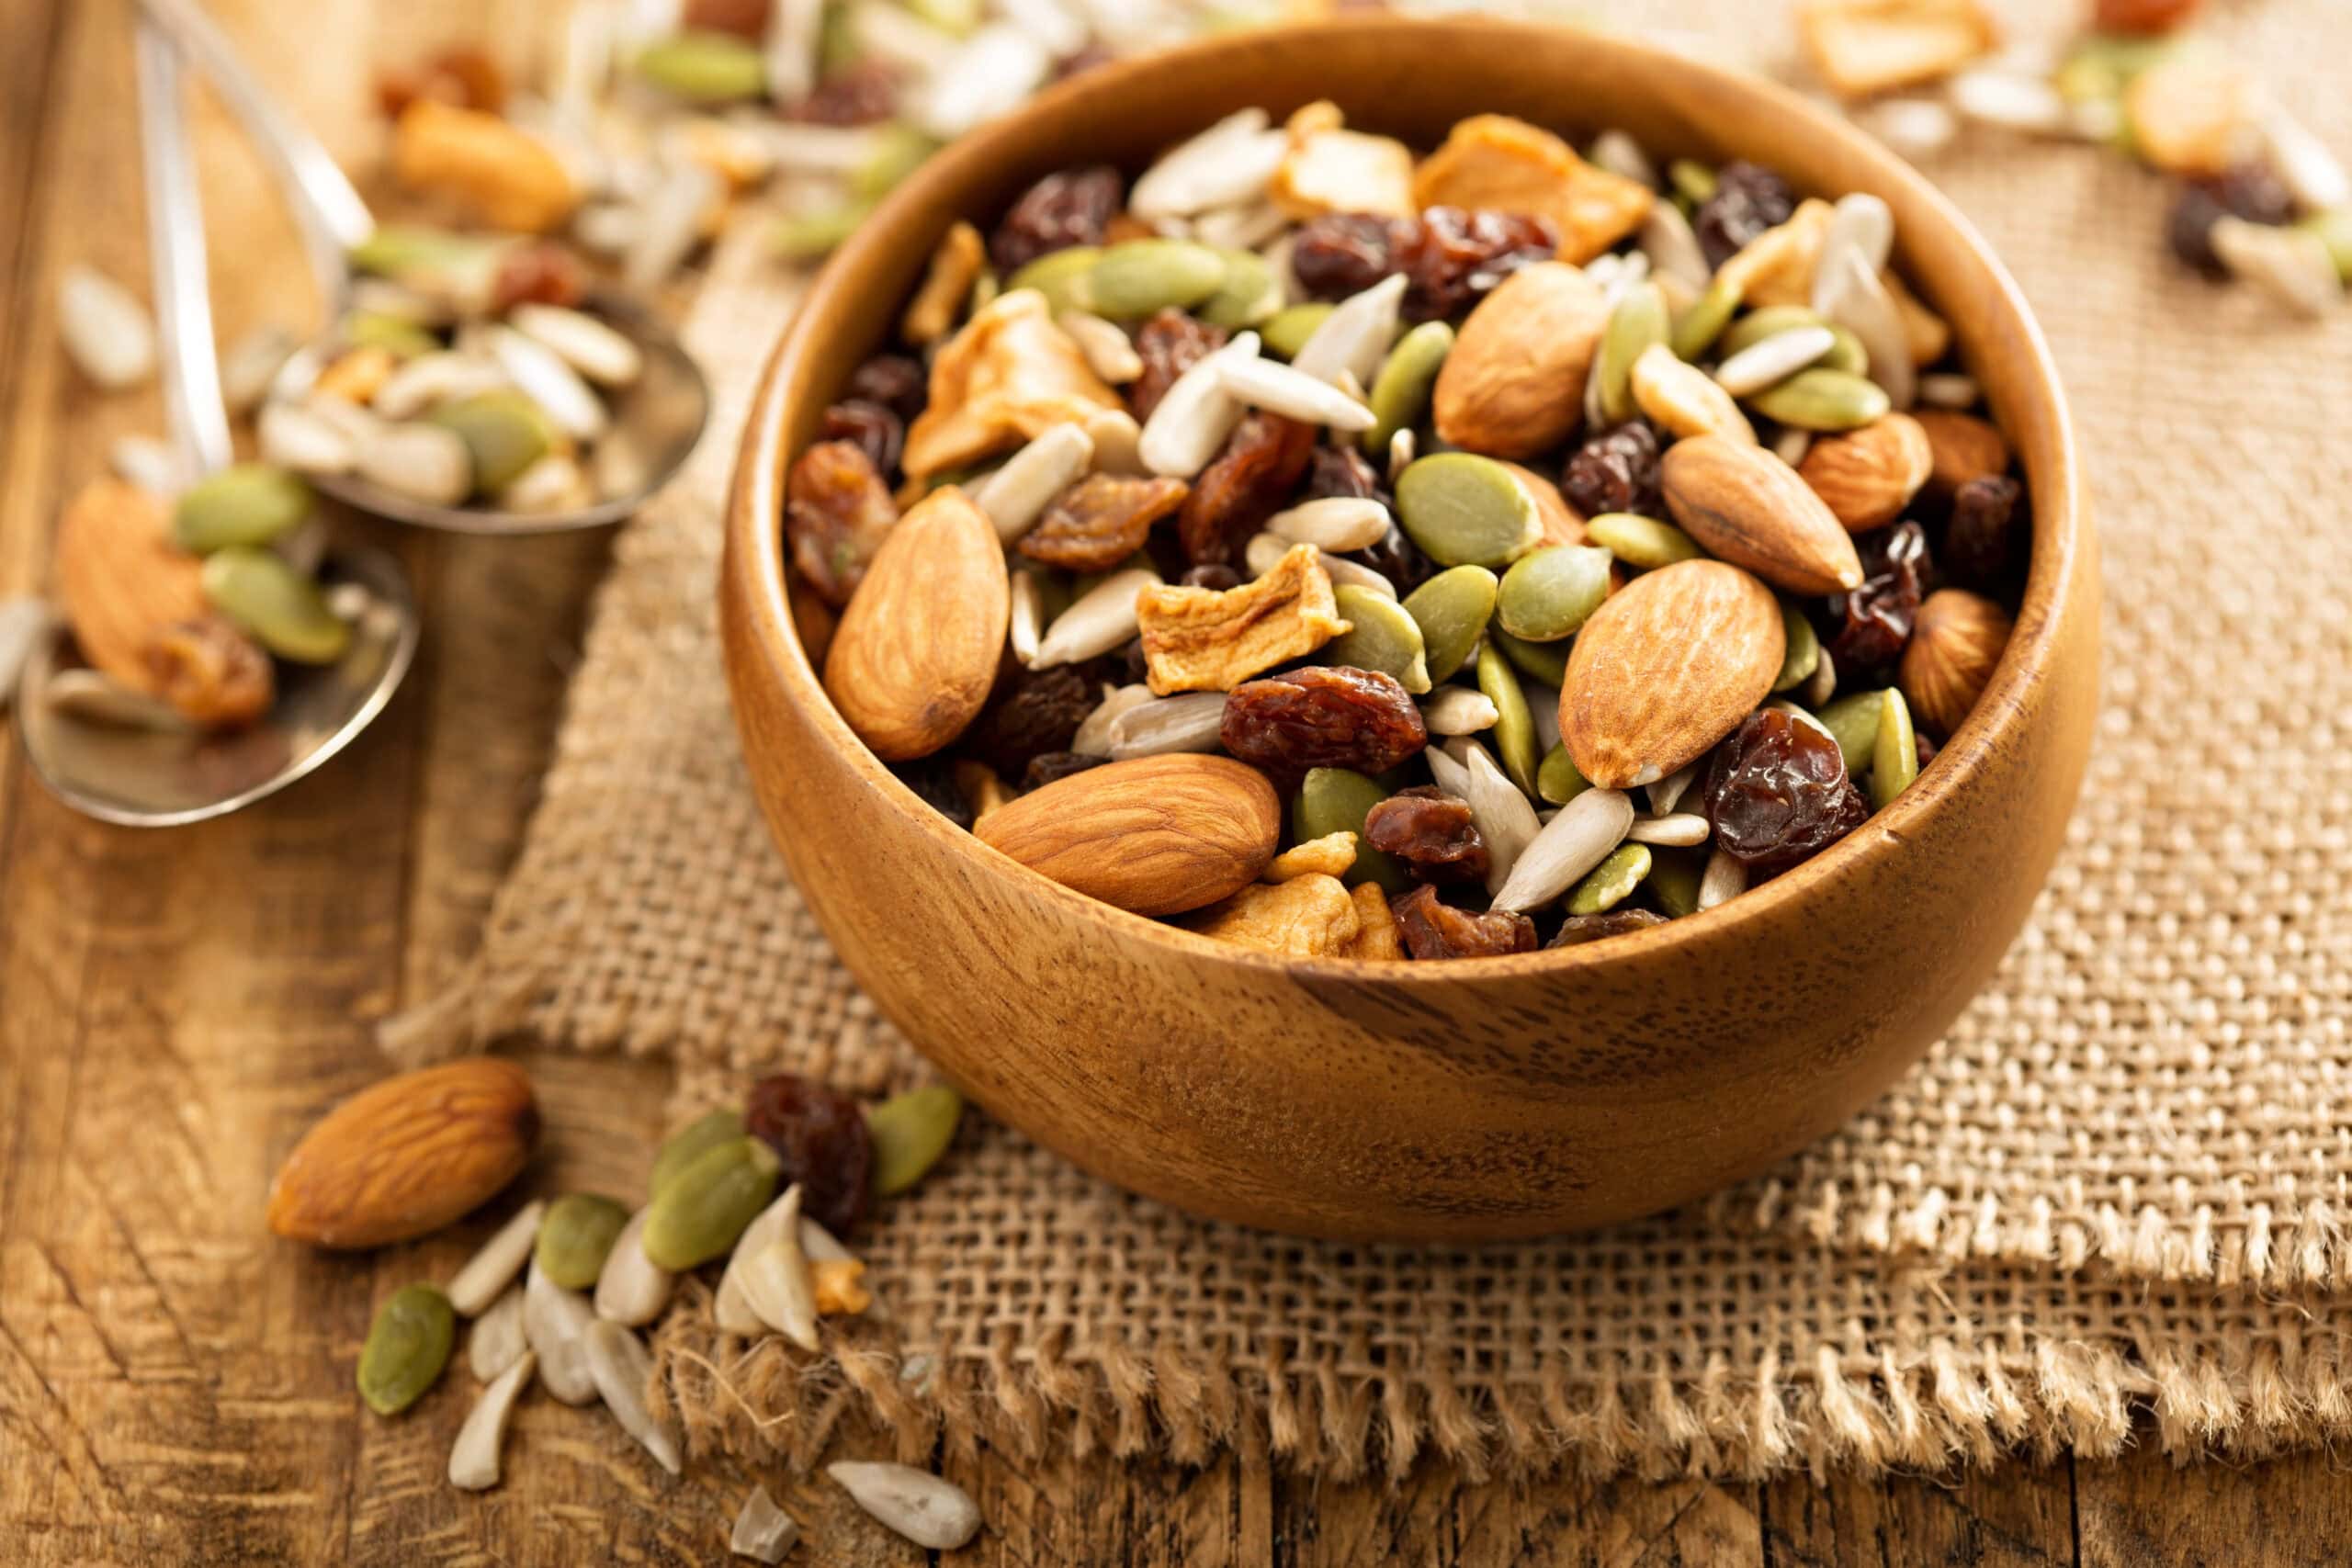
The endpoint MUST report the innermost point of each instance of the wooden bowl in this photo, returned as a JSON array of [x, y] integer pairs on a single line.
[[1480, 1099]]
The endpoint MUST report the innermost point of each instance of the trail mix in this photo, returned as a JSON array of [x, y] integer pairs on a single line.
[[1351, 552]]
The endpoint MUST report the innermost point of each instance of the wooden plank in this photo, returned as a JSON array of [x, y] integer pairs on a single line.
[[2020, 1515], [1564, 1522], [2144, 1511], [1047, 1512]]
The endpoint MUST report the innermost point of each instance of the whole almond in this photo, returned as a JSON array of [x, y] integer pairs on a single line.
[[1866, 476], [121, 581], [1744, 505], [1961, 447], [1955, 642], [1513, 385], [917, 650], [1665, 668], [407, 1157], [1156, 835]]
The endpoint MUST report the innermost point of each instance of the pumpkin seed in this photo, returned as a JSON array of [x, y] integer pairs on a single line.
[[245, 503], [505, 432], [698, 1216], [632, 1289], [1137, 277], [1693, 181], [1464, 510], [1336, 800], [1845, 352], [1556, 779], [1803, 645], [1288, 328], [1642, 543], [1451, 609], [691, 1141], [473, 1458], [616, 1360], [704, 67], [1825, 400], [810, 235], [284, 610], [763, 1531], [1639, 321], [1381, 636], [1400, 393], [1064, 277], [1248, 294], [919, 1506], [1613, 881], [1773, 360], [1514, 729], [401, 338], [1549, 594], [1544, 661], [1674, 877], [496, 1341], [1579, 837], [407, 1346], [1696, 329], [898, 149], [1854, 720], [577, 1236], [489, 1270], [910, 1132], [1894, 753], [553, 1320]]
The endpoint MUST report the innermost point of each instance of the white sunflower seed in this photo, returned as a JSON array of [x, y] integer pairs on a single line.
[[496, 1341], [2010, 101], [1949, 389], [292, 436], [819, 1245], [1791, 444], [1101, 620], [251, 364], [1017, 494], [763, 1532], [732, 1309], [1332, 523], [989, 75], [431, 380], [2291, 265], [1270, 385], [155, 466], [1230, 162], [632, 1289], [1667, 793], [1189, 721], [1822, 684], [1681, 829], [1345, 573], [99, 699], [620, 1368], [547, 380], [497, 1262], [23, 623], [1603, 271], [1108, 352], [1618, 152], [789, 53], [1261, 554], [382, 297], [107, 334], [590, 346], [348, 601], [1505, 818], [1917, 127], [1356, 337], [670, 223], [1458, 710], [1118, 442], [554, 483], [1849, 291], [1245, 228], [608, 229], [473, 1458], [1773, 360], [923, 1507], [422, 461], [553, 1320], [1057, 32], [1571, 844], [1725, 878], [1023, 627], [2311, 172], [1673, 248], [1864, 223], [894, 36], [1400, 453], [777, 1284], [821, 148], [1192, 418], [1093, 737]]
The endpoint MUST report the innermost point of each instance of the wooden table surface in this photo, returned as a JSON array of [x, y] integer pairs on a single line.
[[176, 1006]]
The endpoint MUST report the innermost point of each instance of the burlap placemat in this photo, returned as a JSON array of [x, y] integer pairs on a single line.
[[2062, 1213]]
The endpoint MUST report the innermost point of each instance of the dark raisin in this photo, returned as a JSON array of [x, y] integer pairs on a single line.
[[1217, 577], [836, 512], [1980, 543], [1101, 521], [1071, 207], [1341, 254], [1342, 471], [1749, 199], [1322, 718], [893, 380], [934, 778], [875, 429], [1168, 344], [1617, 470], [1135, 665], [1045, 769], [865, 93], [1778, 794], [1432, 833], [1435, 929], [1873, 621], [1250, 480], [821, 1137], [1451, 255], [2248, 190], [1577, 929], [1035, 711], [1924, 746]]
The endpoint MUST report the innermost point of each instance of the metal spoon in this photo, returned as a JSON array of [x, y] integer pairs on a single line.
[[656, 420], [150, 778]]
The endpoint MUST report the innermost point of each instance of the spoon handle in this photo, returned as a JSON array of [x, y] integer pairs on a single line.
[[175, 239]]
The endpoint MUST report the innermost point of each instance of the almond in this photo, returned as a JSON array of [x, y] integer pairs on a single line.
[[1563, 524], [1665, 668], [2191, 114], [1156, 835], [407, 1157], [1955, 642], [1961, 447], [1866, 476], [1513, 386], [917, 650], [1745, 505]]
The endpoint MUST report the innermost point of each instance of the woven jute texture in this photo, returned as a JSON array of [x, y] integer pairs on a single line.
[[2119, 1184]]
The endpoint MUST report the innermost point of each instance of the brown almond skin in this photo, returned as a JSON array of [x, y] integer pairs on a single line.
[[1667, 667], [1866, 476], [1960, 448], [1955, 642], [1745, 506], [1513, 384], [1156, 835], [407, 1157], [917, 650]]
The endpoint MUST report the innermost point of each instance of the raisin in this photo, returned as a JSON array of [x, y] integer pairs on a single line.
[[1874, 621], [865, 93], [1749, 199], [872, 428], [1217, 578], [836, 513], [1035, 712], [540, 272], [1250, 480], [1101, 521], [1451, 256], [1778, 794], [2248, 190], [893, 380], [1341, 254], [1343, 471], [1168, 344], [933, 780], [1924, 746], [1577, 929], [1073, 207], [1134, 664], [1432, 833], [1049, 766], [1434, 930], [1322, 718], [1979, 544], [1617, 470], [821, 1137]]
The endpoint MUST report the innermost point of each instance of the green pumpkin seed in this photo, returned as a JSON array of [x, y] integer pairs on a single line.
[[808, 236], [1692, 180], [1513, 735], [959, 17], [704, 68], [503, 431], [690, 1142], [245, 503], [1335, 800], [1543, 661], [911, 1131], [1400, 393], [373, 328], [1804, 656], [838, 45], [700, 1213], [1138, 277], [400, 249], [1062, 277], [1556, 779], [899, 149], [407, 1346], [2334, 232], [1894, 753], [1612, 882], [2101, 65], [1287, 330], [284, 610], [1639, 321], [1824, 399], [1249, 293], [1548, 595], [576, 1237], [1382, 636], [1451, 609], [1847, 354], [1854, 721], [1642, 543], [1696, 329], [1675, 875], [1464, 510]]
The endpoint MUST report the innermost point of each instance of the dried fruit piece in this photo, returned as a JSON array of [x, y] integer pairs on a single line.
[[1051, 766], [870, 427], [947, 287], [1432, 833], [1035, 711], [1378, 938], [1513, 385], [1496, 163], [1197, 639], [407, 1346], [1009, 376], [1616, 470], [1071, 207], [1155, 835], [1684, 399], [2247, 190], [1862, 47], [1330, 169], [1866, 476], [1306, 917], [917, 650], [1978, 547], [211, 672], [2142, 15], [1168, 344], [1956, 640], [1748, 199], [1435, 929], [822, 1143], [837, 512], [1318, 717], [1450, 257], [1101, 521], [1875, 618], [1333, 854], [1749, 508], [1961, 449], [1261, 464], [893, 380], [122, 582], [1778, 794]]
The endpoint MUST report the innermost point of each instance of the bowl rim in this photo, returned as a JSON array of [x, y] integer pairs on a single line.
[[2060, 524]]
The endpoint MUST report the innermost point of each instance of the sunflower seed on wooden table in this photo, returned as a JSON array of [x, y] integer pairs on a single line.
[[496, 1340], [553, 1320], [1197, 414], [621, 1369], [1336, 523], [1102, 619], [1586, 830], [106, 331], [1017, 494], [763, 1531], [632, 1289], [927, 1509], [474, 1457], [494, 1266]]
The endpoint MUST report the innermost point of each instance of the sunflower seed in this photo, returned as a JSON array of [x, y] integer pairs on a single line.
[[822, 149], [1355, 335], [923, 1507], [1264, 551], [777, 1286], [763, 1531], [1542, 708], [1026, 609], [1672, 247], [1458, 710], [621, 1369], [1189, 721], [554, 483], [731, 1309], [1108, 352], [631, 1289], [1230, 162], [473, 1458], [106, 331], [1588, 828], [422, 461], [1667, 791], [1333, 522], [1346, 573], [23, 623], [2292, 265], [250, 366], [1821, 685], [2010, 101], [1093, 737], [1681, 830], [292, 437], [1195, 414], [894, 36], [603, 356], [1118, 442], [670, 223], [431, 380], [1100, 621], [1278, 388], [1502, 815], [155, 466], [1917, 127], [493, 1266], [1017, 494], [1245, 227], [553, 1320], [496, 1341], [988, 75], [1774, 360], [1058, 32], [1949, 389], [1401, 452], [1847, 291], [1618, 152], [1725, 878], [1791, 443], [99, 699], [550, 381], [788, 55], [2311, 172]]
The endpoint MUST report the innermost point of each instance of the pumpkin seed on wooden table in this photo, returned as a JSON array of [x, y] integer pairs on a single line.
[[407, 1346], [577, 1236], [699, 1216]]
